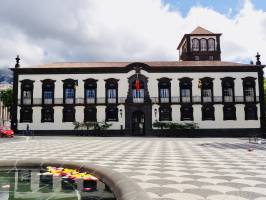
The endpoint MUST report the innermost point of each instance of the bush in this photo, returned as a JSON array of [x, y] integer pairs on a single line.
[[175, 126]]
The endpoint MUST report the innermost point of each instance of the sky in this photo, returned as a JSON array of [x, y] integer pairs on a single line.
[[125, 30]]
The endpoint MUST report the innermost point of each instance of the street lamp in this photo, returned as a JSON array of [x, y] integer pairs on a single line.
[[121, 112]]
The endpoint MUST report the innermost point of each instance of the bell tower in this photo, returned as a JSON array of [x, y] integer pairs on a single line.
[[200, 45]]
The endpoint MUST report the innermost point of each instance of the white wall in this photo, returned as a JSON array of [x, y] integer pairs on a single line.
[[153, 91]]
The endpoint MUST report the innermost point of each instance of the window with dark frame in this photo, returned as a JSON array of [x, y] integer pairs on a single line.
[[48, 91], [27, 92], [211, 44], [111, 113], [203, 44], [47, 115], [186, 113], [69, 88], [229, 112], [249, 89], [228, 89], [195, 45], [90, 91], [251, 112], [111, 86], [69, 114], [208, 112], [165, 113], [164, 90], [206, 90], [26, 115], [90, 114], [185, 86]]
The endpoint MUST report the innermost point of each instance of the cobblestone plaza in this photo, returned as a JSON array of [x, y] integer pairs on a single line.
[[166, 168]]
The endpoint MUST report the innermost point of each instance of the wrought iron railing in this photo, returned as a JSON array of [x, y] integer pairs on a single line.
[[154, 100]]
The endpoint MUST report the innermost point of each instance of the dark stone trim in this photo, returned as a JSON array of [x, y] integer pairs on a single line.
[[107, 117], [73, 110], [22, 115], [50, 108], [262, 100], [14, 107], [161, 69]]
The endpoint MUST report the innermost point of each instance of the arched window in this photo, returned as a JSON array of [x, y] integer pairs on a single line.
[[195, 44], [203, 45], [211, 44]]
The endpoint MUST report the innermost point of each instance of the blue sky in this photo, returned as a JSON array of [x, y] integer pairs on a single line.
[[221, 6]]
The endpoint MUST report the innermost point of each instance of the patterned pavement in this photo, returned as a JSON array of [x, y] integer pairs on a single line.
[[166, 168]]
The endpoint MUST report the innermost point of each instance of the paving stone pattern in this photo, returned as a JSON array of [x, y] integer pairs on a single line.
[[166, 168]]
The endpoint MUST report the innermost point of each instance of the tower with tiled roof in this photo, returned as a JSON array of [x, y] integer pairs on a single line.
[[200, 45]]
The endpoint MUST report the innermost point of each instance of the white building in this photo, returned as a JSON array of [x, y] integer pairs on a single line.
[[223, 98], [4, 112]]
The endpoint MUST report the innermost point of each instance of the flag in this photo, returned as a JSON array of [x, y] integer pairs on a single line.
[[137, 85]]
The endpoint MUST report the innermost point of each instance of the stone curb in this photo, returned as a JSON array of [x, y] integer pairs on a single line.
[[123, 187]]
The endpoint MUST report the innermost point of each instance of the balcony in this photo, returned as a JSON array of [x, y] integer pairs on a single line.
[[122, 100]]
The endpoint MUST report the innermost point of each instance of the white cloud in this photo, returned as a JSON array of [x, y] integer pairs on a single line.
[[78, 30]]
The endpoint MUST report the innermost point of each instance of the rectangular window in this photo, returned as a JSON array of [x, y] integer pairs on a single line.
[[26, 97], [69, 95], [111, 95], [185, 95], [186, 113], [90, 95], [90, 115], [228, 94], [207, 95], [68, 115], [249, 94], [47, 115], [26, 115], [48, 97], [111, 114], [251, 112], [164, 95], [165, 114], [229, 112], [208, 113]]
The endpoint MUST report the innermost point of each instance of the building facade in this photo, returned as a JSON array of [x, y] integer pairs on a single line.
[[222, 98]]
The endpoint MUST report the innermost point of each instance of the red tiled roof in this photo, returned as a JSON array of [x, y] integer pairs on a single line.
[[174, 64], [201, 31]]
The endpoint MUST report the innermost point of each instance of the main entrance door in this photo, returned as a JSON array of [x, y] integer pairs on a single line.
[[138, 123]]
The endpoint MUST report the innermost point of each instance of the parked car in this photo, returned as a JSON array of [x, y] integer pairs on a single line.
[[6, 132]]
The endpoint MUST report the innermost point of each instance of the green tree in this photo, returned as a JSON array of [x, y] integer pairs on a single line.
[[6, 97]]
